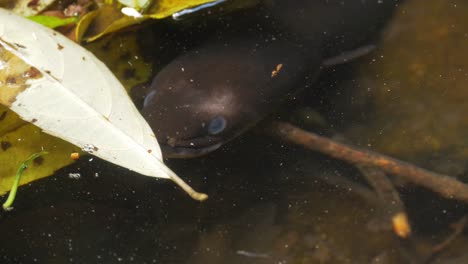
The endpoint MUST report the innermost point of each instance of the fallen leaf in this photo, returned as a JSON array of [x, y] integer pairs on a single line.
[[19, 139], [67, 92]]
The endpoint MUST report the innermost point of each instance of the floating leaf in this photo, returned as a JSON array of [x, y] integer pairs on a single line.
[[65, 90], [53, 21], [19, 138]]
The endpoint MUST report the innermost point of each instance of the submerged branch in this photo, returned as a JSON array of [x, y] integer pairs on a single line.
[[444, 185]]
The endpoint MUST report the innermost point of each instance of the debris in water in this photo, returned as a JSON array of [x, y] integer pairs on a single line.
[[90, 148], [251, 254], [75, 156], [74, 176]]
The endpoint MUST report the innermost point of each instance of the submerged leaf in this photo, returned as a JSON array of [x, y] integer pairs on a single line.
[[124, 56], [66, 91], [105, 20], [83, 25]]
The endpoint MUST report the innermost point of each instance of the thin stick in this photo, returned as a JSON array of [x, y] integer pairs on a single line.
[[444, 185], [458, 228], [342, 182], [11, 196], [384, 188], [393, 206]]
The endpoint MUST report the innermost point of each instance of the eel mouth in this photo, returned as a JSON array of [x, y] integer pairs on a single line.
[[190, 148]]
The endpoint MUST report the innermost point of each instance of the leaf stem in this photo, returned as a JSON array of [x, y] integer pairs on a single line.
[[19, 172], [182, 184]]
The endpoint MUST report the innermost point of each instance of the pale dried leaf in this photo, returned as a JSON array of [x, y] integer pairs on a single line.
[[72, 95]]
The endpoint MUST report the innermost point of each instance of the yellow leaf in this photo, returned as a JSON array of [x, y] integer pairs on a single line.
[[123, 55], [102, 21], [18, 144], [83, 24]]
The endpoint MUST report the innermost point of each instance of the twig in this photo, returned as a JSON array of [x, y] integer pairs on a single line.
[[11, 196], [384, 196], [393, 206], [383, 187], [342, 182], [458, 228], [444, 185]]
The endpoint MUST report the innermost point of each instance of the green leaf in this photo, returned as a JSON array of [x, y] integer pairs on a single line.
[[52, 21]]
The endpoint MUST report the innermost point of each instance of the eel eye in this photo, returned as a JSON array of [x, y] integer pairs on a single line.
[[217, 125]]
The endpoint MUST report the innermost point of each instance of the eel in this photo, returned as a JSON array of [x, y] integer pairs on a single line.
[[217, 90]]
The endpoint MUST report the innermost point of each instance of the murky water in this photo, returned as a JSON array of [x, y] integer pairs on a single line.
[[271, 202]]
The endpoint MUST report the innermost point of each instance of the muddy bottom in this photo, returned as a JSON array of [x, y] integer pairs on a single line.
[[280, 205]]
